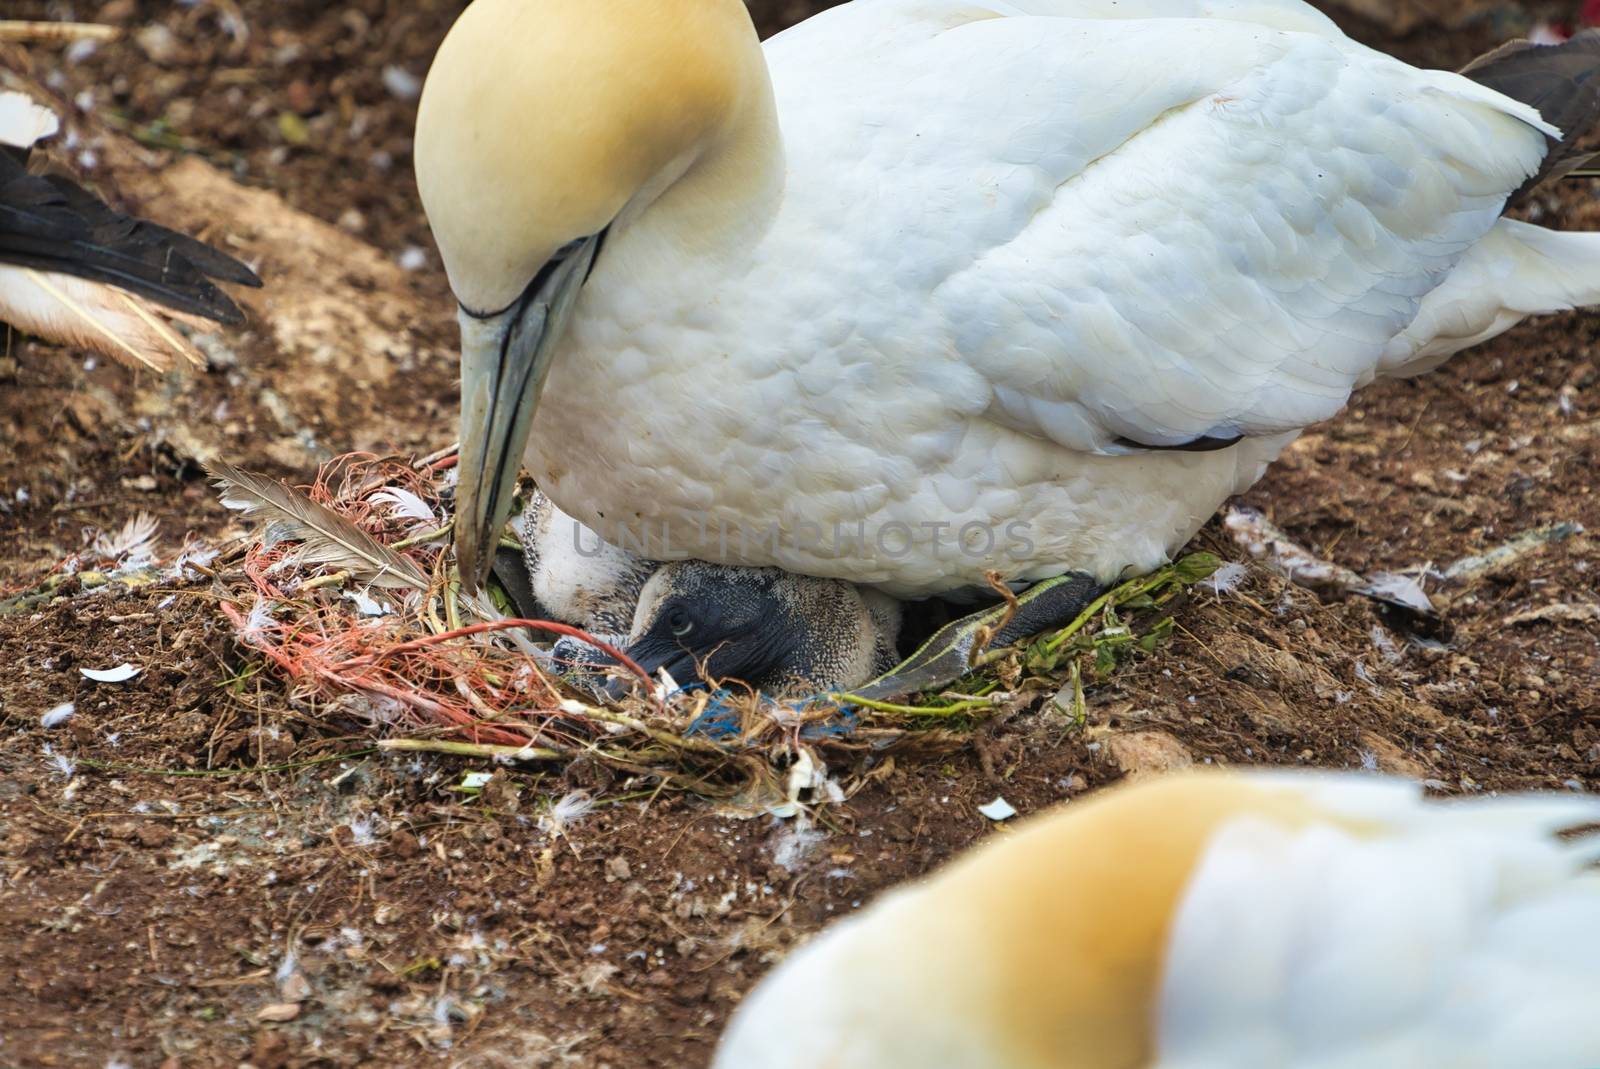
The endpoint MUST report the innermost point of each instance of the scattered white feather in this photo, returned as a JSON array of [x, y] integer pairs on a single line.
[[366, 604], [808, 773], [60, 762], [22, 122], [258, 622], [361, 831], [794, 842], [195, 552], [58, 716], [1386, 645], [999, 809], [1227, 579], [401, 83], [567, 810], [120, 674], [1401, 590], [328, 539], [406, 504], [414, 258], [80, 50], [134, 543]]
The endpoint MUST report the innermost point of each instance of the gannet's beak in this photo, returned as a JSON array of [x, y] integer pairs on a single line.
[[505, 358]]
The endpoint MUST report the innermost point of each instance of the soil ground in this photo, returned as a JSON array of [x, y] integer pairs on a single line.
[[197, 869]]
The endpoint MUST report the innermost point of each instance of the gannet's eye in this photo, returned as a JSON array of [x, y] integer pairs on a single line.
[[679, 623]]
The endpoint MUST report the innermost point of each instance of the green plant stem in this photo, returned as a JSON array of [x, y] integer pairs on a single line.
[[912, 710]]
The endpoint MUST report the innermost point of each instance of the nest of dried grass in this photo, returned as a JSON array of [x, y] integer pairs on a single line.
[[348, 595]]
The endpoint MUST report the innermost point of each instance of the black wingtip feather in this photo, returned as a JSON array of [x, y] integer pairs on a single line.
[[1561, 81], [51, 223]]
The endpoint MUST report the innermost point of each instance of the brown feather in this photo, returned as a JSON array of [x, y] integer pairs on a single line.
[[327, 538]]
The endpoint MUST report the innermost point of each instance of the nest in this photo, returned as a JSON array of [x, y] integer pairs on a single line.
[[349, 595]]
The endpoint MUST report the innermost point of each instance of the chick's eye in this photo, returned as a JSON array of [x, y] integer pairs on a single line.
[[678, 623]]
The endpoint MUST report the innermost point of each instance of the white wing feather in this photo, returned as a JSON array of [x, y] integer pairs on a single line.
[[1228, 248], [1277, 14]]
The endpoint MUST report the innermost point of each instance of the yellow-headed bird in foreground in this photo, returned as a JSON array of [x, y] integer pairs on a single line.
[[1224, 921], [78, 272]]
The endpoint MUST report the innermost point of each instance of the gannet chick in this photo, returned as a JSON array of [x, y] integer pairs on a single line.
[[783, 634], [77, 272], [577, 578], [780, 633], [1255, 920]]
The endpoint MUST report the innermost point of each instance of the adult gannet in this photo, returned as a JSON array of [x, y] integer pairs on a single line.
[[928, 289], [1215, 921], [77, 272]]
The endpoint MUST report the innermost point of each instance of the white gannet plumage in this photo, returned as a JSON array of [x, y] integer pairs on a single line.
[[955, 289], [1247, 920]]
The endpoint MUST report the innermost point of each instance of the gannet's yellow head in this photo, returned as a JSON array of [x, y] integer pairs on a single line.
[[540, 122]]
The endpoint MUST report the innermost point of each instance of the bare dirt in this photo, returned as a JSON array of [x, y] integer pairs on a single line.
[[197, 871]]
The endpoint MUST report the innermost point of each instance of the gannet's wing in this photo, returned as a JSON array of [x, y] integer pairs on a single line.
[[1149, 232], [77, 271], [49, 223]]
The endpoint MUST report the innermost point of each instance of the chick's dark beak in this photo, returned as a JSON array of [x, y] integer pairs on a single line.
[[653, 654]]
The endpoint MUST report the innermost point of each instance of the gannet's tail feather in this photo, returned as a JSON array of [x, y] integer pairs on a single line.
[[1517, 270]]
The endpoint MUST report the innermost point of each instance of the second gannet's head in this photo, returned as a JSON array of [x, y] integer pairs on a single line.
[[540, 123]]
